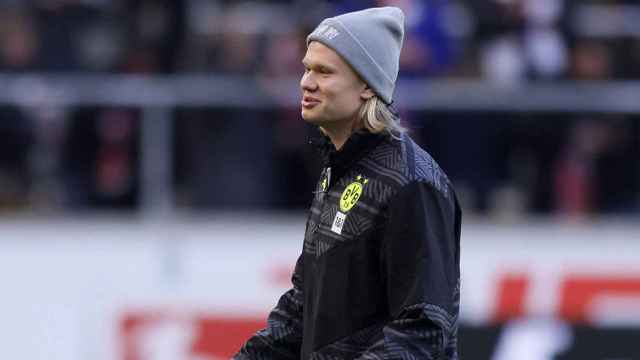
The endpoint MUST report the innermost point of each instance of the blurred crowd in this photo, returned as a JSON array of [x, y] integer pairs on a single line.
[[503, 164]]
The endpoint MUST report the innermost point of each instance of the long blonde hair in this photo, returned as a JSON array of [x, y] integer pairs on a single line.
[[377, 117]]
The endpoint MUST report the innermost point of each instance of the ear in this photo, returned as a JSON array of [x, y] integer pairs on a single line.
[[367, 93]]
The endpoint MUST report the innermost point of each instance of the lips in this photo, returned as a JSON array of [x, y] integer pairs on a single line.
[[309, 102]]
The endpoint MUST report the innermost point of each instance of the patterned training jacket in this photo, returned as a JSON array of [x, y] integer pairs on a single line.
[[379, 274]]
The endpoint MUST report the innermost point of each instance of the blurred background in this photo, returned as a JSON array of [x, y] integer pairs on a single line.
[[155, 172]]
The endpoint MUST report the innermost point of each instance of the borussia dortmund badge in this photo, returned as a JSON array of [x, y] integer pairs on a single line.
[[352, 193], [348, 200]]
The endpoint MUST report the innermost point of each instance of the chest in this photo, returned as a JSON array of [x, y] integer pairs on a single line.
[[348, 209]]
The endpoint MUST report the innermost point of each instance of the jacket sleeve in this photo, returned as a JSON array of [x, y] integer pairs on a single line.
[[282, 337], [420, 257]]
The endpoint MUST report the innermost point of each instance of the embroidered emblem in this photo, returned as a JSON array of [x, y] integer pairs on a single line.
[[328, 31], [325, 182], [348, 200], [352, 193]]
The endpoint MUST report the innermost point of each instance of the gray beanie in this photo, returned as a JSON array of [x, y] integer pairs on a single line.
[[370, 41]]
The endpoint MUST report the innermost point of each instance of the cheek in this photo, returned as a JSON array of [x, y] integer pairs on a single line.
[[340, 93], [349, 100], [341, 97]]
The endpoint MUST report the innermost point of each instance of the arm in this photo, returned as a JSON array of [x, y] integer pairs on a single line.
[[282, 337], [420, 253]]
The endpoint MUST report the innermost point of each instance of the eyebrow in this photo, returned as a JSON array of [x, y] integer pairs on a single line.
[[325, 66]]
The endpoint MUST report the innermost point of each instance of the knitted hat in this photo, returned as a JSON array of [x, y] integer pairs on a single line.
[[370, 41]]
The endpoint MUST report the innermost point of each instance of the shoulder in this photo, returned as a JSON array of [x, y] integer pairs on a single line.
[[427, 170], [401, 162]]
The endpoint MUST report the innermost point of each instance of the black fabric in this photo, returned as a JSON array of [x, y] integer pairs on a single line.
[[358, 144], [384, 284], [418, 270], [346, 295]]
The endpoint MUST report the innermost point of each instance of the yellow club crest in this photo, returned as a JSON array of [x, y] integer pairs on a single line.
[[352, 193]]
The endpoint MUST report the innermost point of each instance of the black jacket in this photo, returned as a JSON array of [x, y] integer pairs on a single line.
[[379, 274]]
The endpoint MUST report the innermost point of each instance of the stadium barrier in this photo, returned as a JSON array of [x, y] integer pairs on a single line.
[[189, 288]]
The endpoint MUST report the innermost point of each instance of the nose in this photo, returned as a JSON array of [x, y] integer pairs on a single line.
[[307, 82]]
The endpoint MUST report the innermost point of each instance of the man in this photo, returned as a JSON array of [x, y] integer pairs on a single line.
[[378, 277]]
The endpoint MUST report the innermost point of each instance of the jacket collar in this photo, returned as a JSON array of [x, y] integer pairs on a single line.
[[359, 144]]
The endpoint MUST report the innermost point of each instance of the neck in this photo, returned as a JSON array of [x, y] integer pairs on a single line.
[[339, 132]]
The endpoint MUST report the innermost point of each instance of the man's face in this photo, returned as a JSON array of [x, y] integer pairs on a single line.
[[331, 91]]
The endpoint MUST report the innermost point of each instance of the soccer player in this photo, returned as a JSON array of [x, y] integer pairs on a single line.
[[379, 273]]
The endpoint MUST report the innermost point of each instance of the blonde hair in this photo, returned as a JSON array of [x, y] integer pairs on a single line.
[[377, 117]]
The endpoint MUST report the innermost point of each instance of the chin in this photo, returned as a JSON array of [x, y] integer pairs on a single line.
[[311, 118]]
